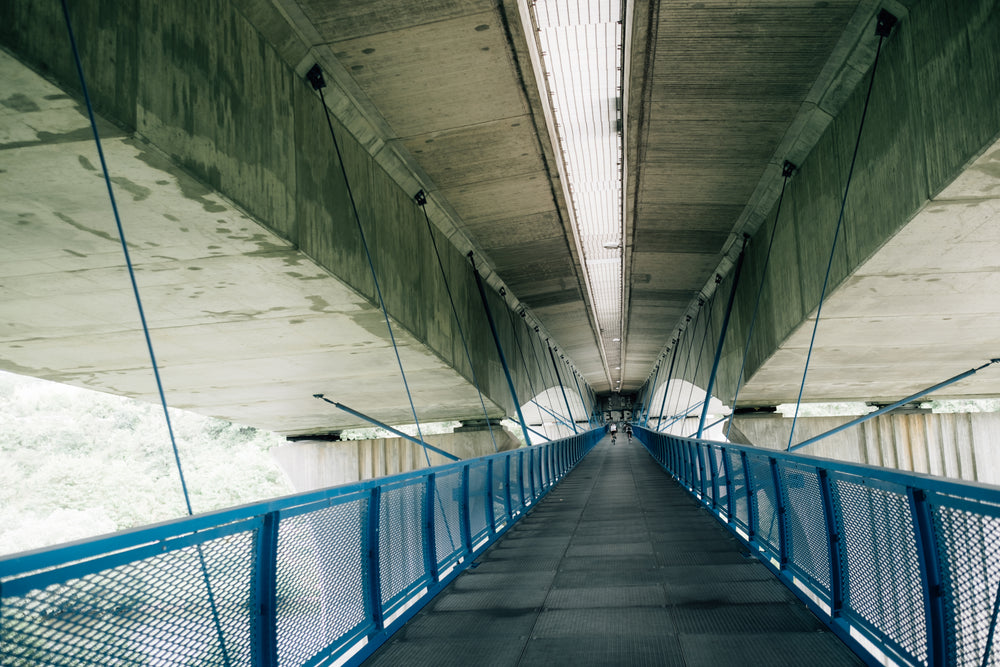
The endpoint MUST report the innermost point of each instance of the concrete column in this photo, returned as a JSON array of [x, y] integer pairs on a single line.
[[956, 445], [317, 464]]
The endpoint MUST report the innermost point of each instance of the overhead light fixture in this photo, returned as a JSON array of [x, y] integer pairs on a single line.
[[616, 340], [579, 58]]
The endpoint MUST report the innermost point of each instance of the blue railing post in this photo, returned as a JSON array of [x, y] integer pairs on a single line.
[[491, 519], [430, 548], [779, 501], [833, 532], [464, 522], [507, 501], [265, 635], [930, 579], [730, 503], [713, 470], [700, 449], [751, 499], [531, 474], [373, 591]]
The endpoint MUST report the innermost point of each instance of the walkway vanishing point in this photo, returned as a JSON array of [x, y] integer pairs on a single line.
[[617, 565]]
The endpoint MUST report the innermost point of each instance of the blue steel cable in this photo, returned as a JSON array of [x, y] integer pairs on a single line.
[[520, 350], [701, 350], [422, 202], [787, 171], [541, 372], [836, 235], [675, 404], [142, 315], [315, 77], [670, 373], [988, 649]]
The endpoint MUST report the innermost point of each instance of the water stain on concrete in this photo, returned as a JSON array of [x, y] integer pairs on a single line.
[[319, 304], [299, 276], [172, 218], [74, 253], [85, 163], [138, 192], [84, 228], [190, 188], [20, 102]]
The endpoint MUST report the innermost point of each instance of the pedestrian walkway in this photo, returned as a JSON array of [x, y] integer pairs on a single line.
[[618, 565]]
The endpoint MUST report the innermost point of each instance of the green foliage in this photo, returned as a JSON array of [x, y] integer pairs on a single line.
[[78, 463]]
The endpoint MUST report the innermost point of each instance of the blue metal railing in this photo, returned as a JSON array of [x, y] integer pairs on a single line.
[[309, 579], [901, 564]]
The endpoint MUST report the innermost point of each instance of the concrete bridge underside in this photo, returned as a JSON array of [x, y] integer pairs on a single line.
[[256, 284]]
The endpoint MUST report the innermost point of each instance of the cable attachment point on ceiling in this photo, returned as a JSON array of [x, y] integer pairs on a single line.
[[718, 278], [317, 395], [788, 169], [420, 198], [315, 77], [522, 313], [885, 23], [503, 291]]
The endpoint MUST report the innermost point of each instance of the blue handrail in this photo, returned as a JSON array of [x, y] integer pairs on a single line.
[[306, 579], [897, 563]]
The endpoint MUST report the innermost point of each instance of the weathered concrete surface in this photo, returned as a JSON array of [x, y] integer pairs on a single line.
[[441, 96], [959, 445], [315, 464], [915, 272], [249, 321]]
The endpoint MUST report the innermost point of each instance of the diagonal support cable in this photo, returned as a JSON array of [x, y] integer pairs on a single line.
[[786, 171], [421, 200], [142, 319], [882, 29], [315, 78]]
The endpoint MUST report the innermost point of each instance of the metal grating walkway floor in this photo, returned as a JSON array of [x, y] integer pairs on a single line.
[[616, 566]]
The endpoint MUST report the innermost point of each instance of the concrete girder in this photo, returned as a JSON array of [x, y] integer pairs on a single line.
[[915, 271], [271, 318]]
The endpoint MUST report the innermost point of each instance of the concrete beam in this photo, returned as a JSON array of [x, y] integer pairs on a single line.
[[913, 300], [226, 156]]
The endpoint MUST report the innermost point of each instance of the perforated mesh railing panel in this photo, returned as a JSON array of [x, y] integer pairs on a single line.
[[287, 582], [400, 537], [499, 493], [808, 545], [908, 564], [321, 574], [478, 513], [514, 480], [154, 611], [768, 528], [741, 512], [969, 550], [882, 579], [447, 503], [721, 492]]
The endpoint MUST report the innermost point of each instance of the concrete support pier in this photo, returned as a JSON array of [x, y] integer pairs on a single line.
[[958, 445]]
